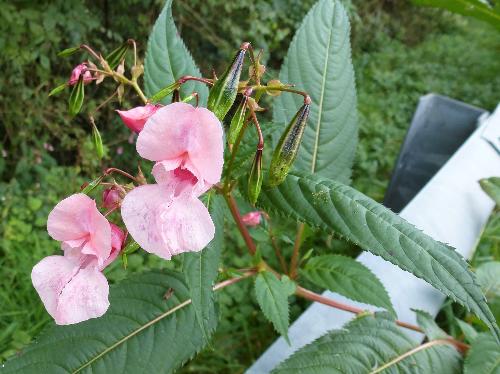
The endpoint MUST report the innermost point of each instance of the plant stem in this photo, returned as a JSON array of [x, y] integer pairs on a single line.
[[296, 251], [137, 89], [307, 99], [275, 245], [119, 171], [233, 207], [231, 281]]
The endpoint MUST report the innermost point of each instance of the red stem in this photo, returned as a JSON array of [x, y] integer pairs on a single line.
[[233, 207]]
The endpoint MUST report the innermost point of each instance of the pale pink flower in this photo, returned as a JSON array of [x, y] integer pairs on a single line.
[[78, 224], [183, 139], [72, 287], [110, 197], [135, 118], [78, 71], [252, 218]]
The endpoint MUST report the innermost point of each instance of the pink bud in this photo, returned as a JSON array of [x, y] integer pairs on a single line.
[[77, 72], [110, 197], [252, 218], [136, 118]]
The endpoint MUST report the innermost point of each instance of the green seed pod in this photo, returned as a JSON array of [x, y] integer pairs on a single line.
[[96, 138], [89, 187], [164, 92], [224, 91], [237, 121], [255, 178], [76, 98], [115, 57], [285, 153]]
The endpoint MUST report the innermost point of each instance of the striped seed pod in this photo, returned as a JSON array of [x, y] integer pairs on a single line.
[[255, 178], [285, 153], [224, 91]]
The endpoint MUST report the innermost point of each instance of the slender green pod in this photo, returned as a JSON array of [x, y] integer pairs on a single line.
[[255, 178], [223, 93], [238, 119], [288, 147]]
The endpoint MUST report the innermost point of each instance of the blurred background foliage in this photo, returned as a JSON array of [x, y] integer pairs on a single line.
[[400, 52]]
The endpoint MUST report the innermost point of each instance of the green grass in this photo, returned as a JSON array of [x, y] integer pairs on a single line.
[[461, 63]]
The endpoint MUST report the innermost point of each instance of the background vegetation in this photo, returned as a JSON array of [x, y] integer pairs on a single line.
[[400, 53]]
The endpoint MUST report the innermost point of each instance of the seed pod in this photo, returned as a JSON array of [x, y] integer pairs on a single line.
[[76, 98], [96, 138], [224, 91], [115, 57], [285, 153], [89, 187], [255, 178], [237, 121]]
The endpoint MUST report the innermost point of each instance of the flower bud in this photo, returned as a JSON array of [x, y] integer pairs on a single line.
[[285, 153], [80, 70], [224, 91], [136, 118], [255, 178], [111, 197], [251, 219]]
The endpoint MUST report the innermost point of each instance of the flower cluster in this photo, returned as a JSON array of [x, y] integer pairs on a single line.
[[165, 218]]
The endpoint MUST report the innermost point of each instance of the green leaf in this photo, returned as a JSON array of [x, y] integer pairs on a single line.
[[492, 187], [469, 332], [58, 89], [430, 327], [116, 56], [483, 356], [371, 344], [76, 98], [97, 140], [142, 332], [349, 278], [471, 8], [168, 59], [272, 296], [488, 276], [319, 62], [337, 208], [68, 52], [200, 269]]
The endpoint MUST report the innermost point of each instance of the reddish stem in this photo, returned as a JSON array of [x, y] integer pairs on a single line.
[[260, 145], [231, 202], [119, 171], [186, 78]]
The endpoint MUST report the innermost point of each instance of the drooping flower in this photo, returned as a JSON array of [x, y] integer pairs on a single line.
[[252, 218], [72, 287], [180, 137], [78, 71], [77, 223], [167, 218], [135, 118]]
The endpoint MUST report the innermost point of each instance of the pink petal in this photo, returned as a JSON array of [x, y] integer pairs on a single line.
[[141, 210], [166, 226], [179, 178], [166, 134], [50, 276], [206, 147], [69, 220], [100, 236], [186, 226], [117, 239], [84, 297], [135, 118]]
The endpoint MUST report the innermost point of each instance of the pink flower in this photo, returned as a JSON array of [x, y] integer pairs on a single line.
[[77, 72], [72, 287], [135, 118], [78, 224], [110, 197], [252, 218], [183, 140], [167, 218]]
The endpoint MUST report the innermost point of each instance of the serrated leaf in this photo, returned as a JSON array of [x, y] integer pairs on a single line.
[[469, 332], [337, 208], [483, 356], [492, 187], [368, 344], [200, 269], [272, 296], [75, 101], [142, 332], [319, 62], [58, 89], [472, 8], [488, 276], [430, 327], [168, 59], [349, 278]]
